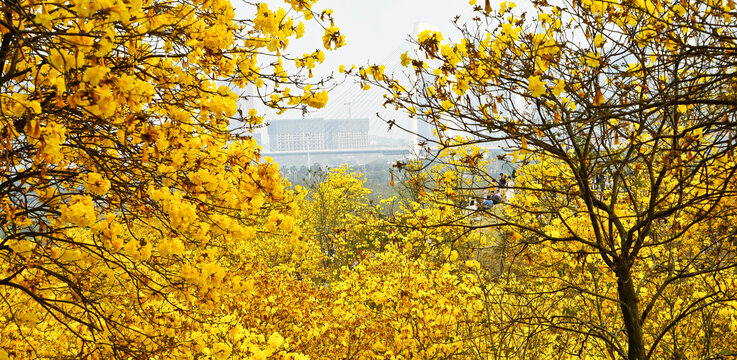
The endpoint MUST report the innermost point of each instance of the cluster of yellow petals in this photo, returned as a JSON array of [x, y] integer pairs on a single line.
[[140, 198]]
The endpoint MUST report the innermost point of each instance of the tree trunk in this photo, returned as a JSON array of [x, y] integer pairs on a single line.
[[630, 314]]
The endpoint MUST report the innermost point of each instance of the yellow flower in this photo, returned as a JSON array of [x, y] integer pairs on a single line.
[[171, 246], [560, 85], [317, 101], [429, 35], [505, 6], [80, 211], [406, 60], [300, 30], [599, 40], [592, 60], [332, 39], [275, 341], [95, 74], [97, 184], [535, 86], [447, 104], [377, 72], [45, 20]]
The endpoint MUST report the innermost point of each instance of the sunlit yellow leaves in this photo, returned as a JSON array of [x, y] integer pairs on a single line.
[[536, 86]]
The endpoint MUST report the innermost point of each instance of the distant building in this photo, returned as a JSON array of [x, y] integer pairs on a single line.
[[347, 133], [296, 135], [258, 137], [318, 134]]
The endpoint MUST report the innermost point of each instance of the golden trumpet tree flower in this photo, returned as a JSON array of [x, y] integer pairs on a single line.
[[132, 196], [619, 117]]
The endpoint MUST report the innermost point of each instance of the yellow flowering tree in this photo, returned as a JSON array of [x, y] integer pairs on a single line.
[[337, 206], [620, 118], [131, 191]]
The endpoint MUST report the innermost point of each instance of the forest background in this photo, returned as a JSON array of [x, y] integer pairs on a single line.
[[140, 221]]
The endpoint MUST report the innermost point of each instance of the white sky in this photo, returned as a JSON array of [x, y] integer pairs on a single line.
[[373, 28]]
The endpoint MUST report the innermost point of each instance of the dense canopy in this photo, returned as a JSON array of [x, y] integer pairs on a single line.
[[139, 220]]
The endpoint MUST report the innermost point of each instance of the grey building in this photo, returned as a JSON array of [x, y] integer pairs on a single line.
[[318, 134]]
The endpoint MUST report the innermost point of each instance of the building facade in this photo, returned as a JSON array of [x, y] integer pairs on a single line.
[[318, 134]]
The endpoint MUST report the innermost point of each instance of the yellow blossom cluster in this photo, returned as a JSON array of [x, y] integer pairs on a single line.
[[131, 182]]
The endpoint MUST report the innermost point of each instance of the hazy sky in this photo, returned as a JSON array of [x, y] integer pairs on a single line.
[[373, 30]]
